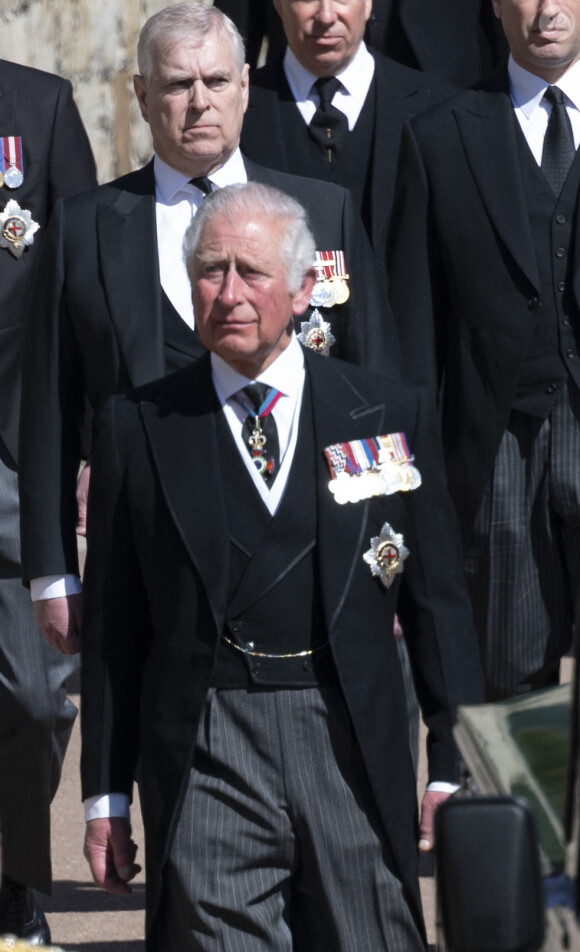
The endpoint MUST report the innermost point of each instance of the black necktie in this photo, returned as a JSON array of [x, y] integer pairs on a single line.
[[329, 125], [558, 151], [259, 432], [202, 183]]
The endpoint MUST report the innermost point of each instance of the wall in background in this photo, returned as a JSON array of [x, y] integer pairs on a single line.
[[92, 43]]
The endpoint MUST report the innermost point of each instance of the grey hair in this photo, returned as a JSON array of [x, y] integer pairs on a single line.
[[239, 203], [186, 23]]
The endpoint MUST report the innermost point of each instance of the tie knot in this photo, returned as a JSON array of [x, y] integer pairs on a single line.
[[554, 95], [326, 87], [256, 394], [202, 183]]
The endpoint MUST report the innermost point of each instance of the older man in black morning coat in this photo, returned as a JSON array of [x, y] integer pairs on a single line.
[[237, 642], [46, 156]]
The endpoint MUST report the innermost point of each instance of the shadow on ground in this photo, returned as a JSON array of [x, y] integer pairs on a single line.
[[70, 896]]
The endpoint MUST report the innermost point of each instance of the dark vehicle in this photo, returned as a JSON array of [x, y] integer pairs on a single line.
[[508, 845]]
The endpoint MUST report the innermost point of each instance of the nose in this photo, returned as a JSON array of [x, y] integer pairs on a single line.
[[229, 292], [325, 12], [198, 97]]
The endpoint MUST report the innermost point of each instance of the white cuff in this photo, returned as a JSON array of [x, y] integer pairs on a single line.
[[106, 805], [54, 586], [441, 786]]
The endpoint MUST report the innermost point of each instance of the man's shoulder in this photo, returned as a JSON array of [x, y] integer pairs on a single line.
[[300, 187], [134, 185], [405, 81], [28, 78], [485, 97]]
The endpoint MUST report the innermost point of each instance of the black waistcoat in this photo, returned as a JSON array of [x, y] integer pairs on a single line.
[[352, 166], [551, 357], [181, 344], [274, 603]]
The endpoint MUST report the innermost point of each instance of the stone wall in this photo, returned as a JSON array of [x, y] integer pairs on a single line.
[[92, 43]]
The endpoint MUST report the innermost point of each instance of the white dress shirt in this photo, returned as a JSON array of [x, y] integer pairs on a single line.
[[356, 79], [176, 202], [527, 91]]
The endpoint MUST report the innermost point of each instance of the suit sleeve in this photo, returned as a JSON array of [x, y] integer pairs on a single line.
[[415, 272], [116, 626], [51, 419], [433, 602]]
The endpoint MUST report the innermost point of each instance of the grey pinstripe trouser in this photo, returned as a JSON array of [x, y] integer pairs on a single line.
[[36, 717], [279, 846], [523, 565]]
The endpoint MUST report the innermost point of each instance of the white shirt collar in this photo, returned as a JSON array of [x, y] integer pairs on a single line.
[[286, 373], [356, 77], [527, 89], [169, 182]]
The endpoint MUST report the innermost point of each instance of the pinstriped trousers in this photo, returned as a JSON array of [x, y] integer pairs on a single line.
[[279, 846], [523, 565], [36, 717]]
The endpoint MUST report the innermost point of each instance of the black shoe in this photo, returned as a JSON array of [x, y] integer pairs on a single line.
[[20, 914]]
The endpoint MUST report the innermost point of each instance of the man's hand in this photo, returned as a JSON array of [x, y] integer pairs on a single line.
[[59, 620], [431, 801], [82, 496], [110, 852]]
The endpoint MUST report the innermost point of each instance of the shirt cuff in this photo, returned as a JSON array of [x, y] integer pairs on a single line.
[[106, 805], [54, 586], [441, 786]]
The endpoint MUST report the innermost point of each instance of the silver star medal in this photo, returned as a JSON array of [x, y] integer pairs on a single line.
[[386, 555], [17, 228], [316, 334]]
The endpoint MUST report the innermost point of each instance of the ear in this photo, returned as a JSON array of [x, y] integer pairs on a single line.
[[497, 8], [245, 83], [301, 299], [140, 88], [277, 7], [368, 9]]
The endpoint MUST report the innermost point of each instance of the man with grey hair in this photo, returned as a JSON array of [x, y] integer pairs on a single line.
[[244, 566], [112, 304]]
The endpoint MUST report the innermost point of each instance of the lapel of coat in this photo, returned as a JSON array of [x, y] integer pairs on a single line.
[[182, 435], [486, 126], [127, 240], [341, 414]]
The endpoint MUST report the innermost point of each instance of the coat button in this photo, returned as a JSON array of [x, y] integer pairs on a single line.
[[560, 252], [561, 219]]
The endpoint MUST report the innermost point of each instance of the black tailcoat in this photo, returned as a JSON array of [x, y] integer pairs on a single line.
[[464, 278], [156, 595]]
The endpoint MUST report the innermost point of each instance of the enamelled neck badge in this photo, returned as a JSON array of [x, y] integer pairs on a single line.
[[17, 228], [376, 466], [386, 555]]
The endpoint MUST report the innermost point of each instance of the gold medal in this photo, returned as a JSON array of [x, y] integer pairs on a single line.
[[340, 288]]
